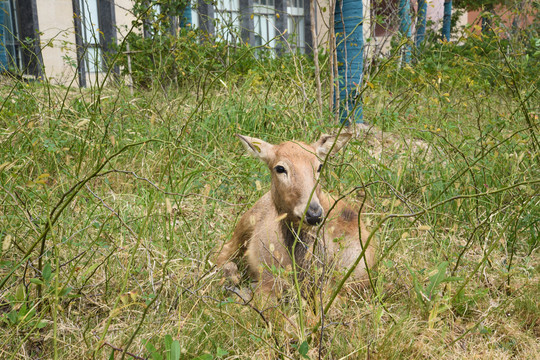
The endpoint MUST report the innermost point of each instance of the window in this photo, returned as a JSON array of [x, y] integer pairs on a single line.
[[90, 33], [264, 22], [95, 37], [296, 24], [227, 15], [194, 15], [10, 52]]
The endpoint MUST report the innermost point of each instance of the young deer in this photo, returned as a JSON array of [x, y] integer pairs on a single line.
[[283, 223]]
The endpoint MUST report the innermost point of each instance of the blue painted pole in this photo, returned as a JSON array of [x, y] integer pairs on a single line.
[[447, 17], [421, 27], [405, 27], [348, 27]]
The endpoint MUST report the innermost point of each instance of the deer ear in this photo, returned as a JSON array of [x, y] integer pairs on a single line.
[[330, 144], [258, 148]]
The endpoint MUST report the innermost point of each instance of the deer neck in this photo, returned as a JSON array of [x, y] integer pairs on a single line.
[[297, 242]]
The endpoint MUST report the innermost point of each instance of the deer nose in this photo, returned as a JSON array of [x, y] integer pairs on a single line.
[[314, 214]]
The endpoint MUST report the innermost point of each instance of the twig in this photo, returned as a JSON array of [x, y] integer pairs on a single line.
[[145, 312], [123, 351], [483, 318], [133, 233], [23, 209], [316, 55], [419, 213], [59, 208]]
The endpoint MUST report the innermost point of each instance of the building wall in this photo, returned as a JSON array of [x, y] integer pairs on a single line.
[[58, 34], [55, 18], [507, 16], [379, 44], [124, 17], [322, 21], [435, 12]]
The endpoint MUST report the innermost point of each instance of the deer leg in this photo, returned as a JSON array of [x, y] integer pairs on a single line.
[[231, 249]]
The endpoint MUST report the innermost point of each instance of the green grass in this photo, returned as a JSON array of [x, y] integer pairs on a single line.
[[114, 206]]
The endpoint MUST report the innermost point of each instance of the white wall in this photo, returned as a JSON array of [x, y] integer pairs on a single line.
[[124, 17], [55, 19]]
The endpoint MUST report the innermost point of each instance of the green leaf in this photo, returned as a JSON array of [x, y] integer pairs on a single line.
[[19, 294], [12, 316], [168, 342], [437, 279], [175, 350], [47, 271], [89, 270], [303, 349], [417, 288], [36, 281], [485, 330], [254, 338], [22, 311], [41, 324], [220, 352], [153, 351], [65, 291], [227, 301], [149, 299]]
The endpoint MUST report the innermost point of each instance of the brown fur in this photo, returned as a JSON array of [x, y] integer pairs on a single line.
[[267, 230]]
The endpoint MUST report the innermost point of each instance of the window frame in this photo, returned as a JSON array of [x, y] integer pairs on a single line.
[[11, 32]]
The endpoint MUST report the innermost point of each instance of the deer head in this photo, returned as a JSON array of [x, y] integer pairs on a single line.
[[295, 168]]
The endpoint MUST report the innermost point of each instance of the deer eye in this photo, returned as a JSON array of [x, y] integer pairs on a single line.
[[319, 169], [280, 169]]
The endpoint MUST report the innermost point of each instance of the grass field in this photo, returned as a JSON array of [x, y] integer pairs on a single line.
[[113, 207]]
